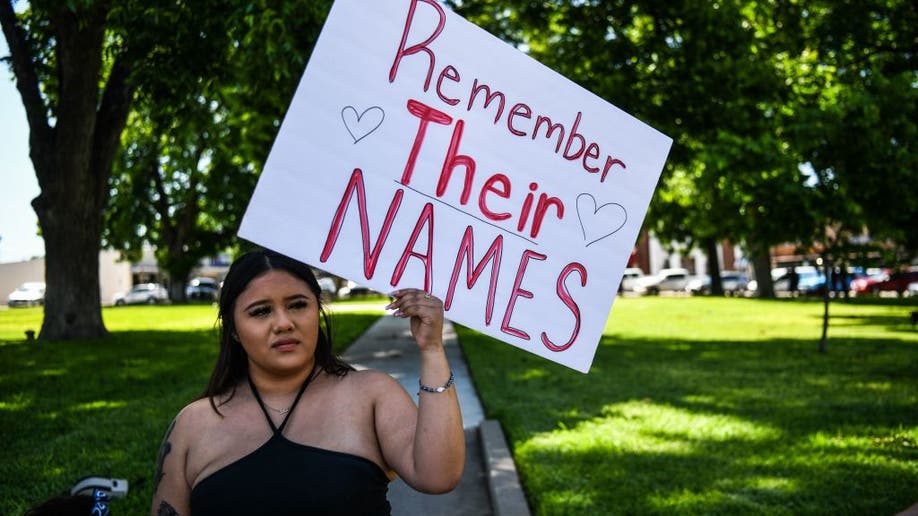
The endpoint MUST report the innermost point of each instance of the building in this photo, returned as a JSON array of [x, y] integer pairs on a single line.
[[650, 256], [114, 275]]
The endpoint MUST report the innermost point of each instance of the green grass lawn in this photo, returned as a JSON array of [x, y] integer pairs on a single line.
[[100, 407], [693, 406], [716, 406]]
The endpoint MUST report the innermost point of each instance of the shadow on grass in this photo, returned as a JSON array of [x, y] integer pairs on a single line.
[[93, 407], [891, 322], [898, 321], [702, 427], [852, 301], [100, 407]]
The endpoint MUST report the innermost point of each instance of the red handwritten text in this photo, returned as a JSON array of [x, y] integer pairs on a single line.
[[465, 258], [520, 119], [497, 185]]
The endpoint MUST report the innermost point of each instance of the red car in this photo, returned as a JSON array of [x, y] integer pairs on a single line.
[[889, 281]]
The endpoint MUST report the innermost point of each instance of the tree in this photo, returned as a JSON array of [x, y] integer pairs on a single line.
[[166, 183], [191, 159], [78, 66], [854, 122], [701, 72], [855, 116], [56, 56], [750, 91]]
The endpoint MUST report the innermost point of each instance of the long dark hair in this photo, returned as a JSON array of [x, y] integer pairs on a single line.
[[232, 363]]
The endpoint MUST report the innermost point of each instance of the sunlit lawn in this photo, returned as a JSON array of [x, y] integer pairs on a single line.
[[716, 406], [700, 406], [70, 409]]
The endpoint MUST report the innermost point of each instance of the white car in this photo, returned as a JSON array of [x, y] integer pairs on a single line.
[[142, 294], [30, 293], [328, 287], [628, 278], [733, 283], [912, 289], [352, 290], [202, 289], [666, 279], [699, 285]]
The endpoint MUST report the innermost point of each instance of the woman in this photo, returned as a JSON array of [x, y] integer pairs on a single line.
[[285, 427]]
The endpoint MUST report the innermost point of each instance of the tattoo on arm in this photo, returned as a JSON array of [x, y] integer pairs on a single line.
[[166, 510], [164, 450]]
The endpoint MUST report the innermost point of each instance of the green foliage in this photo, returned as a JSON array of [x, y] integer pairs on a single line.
[[854, 116], [697, 71], [193, 149], [715, 406], [749, 91], [100, 407]]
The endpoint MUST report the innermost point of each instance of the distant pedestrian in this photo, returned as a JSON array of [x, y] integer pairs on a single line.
[[844, 284], [794, 281]]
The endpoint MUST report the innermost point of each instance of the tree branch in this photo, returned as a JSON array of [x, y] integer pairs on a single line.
[[186, 219], [111, 119], [162, 201], [26, 81]]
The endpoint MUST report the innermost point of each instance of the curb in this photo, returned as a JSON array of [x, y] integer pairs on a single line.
[[504, 485]]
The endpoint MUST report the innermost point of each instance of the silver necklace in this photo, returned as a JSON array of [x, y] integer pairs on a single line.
[[279, 411]]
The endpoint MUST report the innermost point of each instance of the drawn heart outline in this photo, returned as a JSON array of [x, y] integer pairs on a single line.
[[598, 222], [361, 125]]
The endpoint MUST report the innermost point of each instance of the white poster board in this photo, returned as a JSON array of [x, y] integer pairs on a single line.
[[420, 151]]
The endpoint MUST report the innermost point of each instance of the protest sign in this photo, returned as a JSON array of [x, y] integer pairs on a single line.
[[421, 151]]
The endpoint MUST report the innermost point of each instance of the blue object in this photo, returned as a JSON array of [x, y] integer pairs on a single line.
[[100, 507]]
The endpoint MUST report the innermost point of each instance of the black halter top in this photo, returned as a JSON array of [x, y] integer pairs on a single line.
[[286, 478]]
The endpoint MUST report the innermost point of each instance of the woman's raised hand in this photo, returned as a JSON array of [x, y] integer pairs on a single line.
[[426, 313]]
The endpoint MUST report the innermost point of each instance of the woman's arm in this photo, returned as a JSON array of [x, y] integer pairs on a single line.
[[170, 487], [425, 446]]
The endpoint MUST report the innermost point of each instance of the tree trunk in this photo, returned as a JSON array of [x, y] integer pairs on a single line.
[[72, 301], [177, 289], [178, 264], [717, 287], [761, 263], [69, 207], [827, 267], [177, 229]]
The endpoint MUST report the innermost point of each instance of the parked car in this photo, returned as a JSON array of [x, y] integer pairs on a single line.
[[328, 287], [897, 281], [352, 290], [699, 285], [144, 293], [30, 293], [912, 289], [628, 277], [732, 282], [673, 279], [202, 289], [809, 282], [812, 281], [866, 284]]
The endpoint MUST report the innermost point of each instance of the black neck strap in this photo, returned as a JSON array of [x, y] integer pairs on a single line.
[[279, 429]]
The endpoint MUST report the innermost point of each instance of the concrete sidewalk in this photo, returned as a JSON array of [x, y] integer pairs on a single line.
[[489, 484]]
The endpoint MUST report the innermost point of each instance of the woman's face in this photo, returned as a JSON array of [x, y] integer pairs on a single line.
[[277, 322]]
